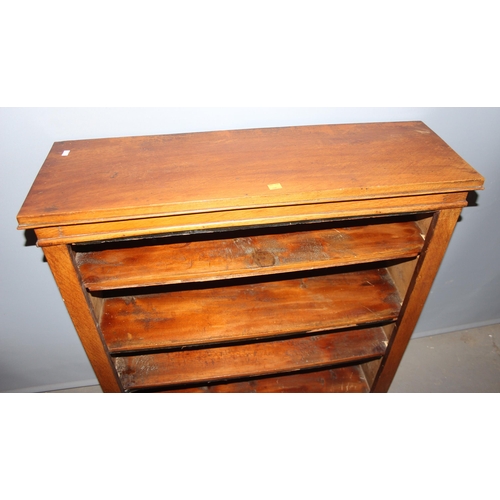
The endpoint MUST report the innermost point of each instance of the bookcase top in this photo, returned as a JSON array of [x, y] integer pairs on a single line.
[[97, 180]]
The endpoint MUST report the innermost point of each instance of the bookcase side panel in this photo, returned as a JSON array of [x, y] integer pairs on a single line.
[[80, 309]]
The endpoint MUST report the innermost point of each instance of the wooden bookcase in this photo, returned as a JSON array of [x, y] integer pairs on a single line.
[[292, 259]]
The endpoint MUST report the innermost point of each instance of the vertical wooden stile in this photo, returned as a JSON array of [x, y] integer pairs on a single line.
[[80, 309], [437, 240], [293, 259]]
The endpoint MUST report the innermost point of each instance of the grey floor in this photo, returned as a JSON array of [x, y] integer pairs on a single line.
[[467, 361]]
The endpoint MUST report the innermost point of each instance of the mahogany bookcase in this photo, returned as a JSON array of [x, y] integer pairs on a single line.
[[293, 259]]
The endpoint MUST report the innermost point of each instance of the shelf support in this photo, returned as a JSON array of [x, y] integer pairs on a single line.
[[76, 298], [437, 240]]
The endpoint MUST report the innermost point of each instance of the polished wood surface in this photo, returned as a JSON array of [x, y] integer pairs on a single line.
[[79, 305], [245, 253], [137, 177], [349, 379], [251, 359], [215, 221], [252, 309], [420, 283], [295, 259]]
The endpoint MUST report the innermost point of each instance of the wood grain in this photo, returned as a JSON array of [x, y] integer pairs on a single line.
[[200, 305], [78, 304], [241, 254], [438, 237], [138, 177], [338, 380], [213, 221], [250, 310], [254, 359]]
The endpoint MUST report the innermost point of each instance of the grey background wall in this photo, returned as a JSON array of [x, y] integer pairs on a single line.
[[39, 349]]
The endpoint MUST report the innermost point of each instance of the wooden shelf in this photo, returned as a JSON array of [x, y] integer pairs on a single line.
[[240, 254], [251, 359], [253, 309], [345, 379], [293, 259]]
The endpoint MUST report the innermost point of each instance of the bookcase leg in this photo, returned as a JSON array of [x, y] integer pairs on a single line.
[[78, 304], [437, 240]]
